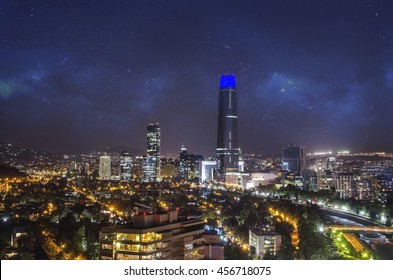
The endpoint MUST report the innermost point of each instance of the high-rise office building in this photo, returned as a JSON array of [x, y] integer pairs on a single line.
[[228, 151], [343, 183], [137, 168], [293, 158], [104, 169], [182, 162], [125, 166], [151, 161], [189, 165], [169, 168]]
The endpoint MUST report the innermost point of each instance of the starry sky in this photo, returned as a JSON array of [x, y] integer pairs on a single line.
[[76, 76]]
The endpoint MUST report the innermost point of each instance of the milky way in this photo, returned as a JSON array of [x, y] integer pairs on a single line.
[[83, 75]]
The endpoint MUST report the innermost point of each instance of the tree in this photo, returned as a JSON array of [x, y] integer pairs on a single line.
[[284, 228], [79, 240], [269, 256], [230, 222], [388, 221], [4, 242], [92, 246], [67, 223], [51, 248], [312, 243], [253, 253], [235, 252], [286, 251]]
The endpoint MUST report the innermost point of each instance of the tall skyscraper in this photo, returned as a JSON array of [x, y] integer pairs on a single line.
[[293, 158], [228, 151], [104, 169], [151, 161], [125, 166]]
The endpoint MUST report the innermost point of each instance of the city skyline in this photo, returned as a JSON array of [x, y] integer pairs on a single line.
[[78, 77]]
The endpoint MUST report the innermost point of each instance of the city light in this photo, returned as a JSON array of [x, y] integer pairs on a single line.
[[133, 142]]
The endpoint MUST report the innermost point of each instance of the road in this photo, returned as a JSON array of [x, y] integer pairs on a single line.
[[354, 225], [355, 242], [360, 228], [349, 217]]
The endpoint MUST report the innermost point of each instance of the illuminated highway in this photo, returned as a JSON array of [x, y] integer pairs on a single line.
[[351, 219], [349, 227], [360, 228], [354, 241]]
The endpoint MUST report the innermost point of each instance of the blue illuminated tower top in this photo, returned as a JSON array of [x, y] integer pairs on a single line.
[[227, 81], [228, 151]]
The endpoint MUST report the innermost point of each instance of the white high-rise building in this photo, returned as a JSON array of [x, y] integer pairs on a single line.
[[104, 170]]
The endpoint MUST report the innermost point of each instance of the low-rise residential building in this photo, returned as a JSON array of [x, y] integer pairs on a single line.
[[155, 236], [265, 240]]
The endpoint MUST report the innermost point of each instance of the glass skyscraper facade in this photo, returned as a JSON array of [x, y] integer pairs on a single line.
[[151, 162], [126, 166], [293, 158], [228, 151]]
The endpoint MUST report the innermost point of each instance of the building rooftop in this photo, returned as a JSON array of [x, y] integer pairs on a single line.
[[264, 230], [156, 221]]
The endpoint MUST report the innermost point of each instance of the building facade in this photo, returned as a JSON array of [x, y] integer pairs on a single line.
[[125, 166], [265, 241], [151, 161], [189, 165], [343, 183], [206, 169], [228, 151], [169, 168], [104, 169], [137, 168], [364, 190], [154, 237], [293, 158], [214, 246]]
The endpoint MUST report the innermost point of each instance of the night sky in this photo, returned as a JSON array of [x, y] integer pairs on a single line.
[[82, 75]]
